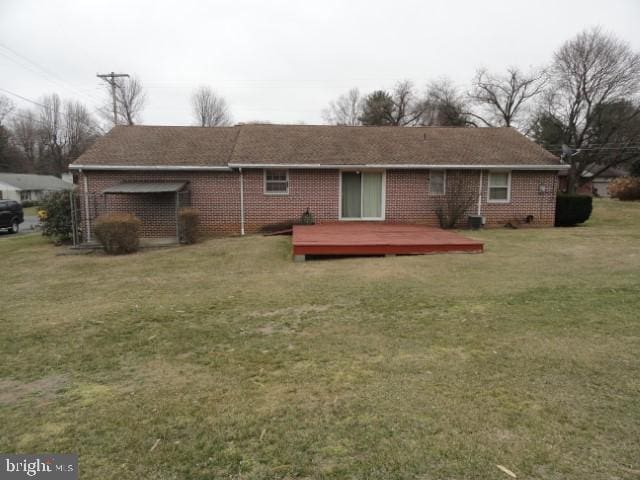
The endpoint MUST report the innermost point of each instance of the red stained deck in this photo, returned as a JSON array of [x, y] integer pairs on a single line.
[[372, 238]]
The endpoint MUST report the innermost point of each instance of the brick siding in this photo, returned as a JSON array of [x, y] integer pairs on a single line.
[[217, 196]]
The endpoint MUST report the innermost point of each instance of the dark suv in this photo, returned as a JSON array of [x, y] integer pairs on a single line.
[[11, 215]]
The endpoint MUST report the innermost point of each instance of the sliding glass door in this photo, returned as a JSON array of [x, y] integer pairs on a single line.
[[362, 195]]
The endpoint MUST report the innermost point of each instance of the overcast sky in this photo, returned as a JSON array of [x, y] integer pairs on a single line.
[[280, 61]]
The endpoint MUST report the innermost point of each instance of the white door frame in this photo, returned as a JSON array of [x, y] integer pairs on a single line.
[[383, 196]]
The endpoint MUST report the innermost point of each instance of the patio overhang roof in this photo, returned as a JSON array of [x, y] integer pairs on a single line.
[[146, 187]]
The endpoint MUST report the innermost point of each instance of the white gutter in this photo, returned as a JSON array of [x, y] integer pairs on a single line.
[[86, 206], [153, 168], [480, 194], [399, 166], [241, 203]]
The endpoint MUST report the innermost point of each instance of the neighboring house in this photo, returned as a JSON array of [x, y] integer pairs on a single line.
[[253, 178], [596, 186], [601, 182], [23, 187]]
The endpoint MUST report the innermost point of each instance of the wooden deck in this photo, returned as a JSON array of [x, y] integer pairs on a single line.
[[374, 238]]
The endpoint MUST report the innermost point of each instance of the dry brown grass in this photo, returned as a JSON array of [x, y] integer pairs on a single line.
[[247, 365]]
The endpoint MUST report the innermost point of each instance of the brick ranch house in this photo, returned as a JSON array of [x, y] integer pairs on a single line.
[[252, 178]]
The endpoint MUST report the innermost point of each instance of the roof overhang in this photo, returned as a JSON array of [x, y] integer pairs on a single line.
[[174, 168], [400, 166], [146, 187], [153, 168]]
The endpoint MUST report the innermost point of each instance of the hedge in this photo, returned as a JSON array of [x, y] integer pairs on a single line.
[[572, 209], [56, 223], [118, 232]]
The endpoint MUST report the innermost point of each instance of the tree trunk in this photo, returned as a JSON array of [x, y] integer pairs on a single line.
[[572, 180]]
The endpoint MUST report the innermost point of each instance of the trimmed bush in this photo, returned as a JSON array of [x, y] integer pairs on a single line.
[[625, 188], [189, 219], [56, 222], [30, 203], [572, 209], [118, 233]]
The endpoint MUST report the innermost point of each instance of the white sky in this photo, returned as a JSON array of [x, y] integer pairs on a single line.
[[280, 61]]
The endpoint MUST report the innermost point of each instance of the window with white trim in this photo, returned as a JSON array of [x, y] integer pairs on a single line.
[[276, 182], [437, 182], [499, 187]]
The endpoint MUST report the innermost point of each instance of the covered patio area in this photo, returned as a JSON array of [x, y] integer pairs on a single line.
[[374, 238], [157, 204]]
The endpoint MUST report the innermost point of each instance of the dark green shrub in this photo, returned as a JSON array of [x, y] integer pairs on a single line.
[[189, 220], [57, 221], [572, 209], [30, 203], [625, 188], [118, 232]]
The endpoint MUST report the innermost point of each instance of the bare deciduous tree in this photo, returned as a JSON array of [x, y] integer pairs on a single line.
[[130, 101], [593, 75], [6, 107], [446, 106], [456, 203], [51, 133], [503, 99], [24, 126], [80, 129], [66, 130], [346, 110], [210, 109], [130, 98], [402, 107], [409, 105]]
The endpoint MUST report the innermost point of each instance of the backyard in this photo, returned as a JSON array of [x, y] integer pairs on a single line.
[[227, 360]]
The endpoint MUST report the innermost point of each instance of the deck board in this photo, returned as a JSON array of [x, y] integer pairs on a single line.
[[373, 238]]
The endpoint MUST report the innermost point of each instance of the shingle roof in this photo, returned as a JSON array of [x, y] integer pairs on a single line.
[[25, 181], [330, 145], [152, 145], [313, 145]]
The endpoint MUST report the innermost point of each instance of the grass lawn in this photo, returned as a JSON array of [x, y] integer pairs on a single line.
[[227, 360]]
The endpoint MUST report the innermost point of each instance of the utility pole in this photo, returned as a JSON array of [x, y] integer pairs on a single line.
[[110, 78]]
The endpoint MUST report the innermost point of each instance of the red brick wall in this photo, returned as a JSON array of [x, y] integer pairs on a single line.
[[313, 189], [217, 196], [408, 198]]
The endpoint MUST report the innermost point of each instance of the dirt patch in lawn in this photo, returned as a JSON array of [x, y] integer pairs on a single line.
[[12, 391], [292, 311]]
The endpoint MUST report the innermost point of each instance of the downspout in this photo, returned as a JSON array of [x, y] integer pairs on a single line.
[[241, 202], [178, 217], [480, 195], [86, 204]]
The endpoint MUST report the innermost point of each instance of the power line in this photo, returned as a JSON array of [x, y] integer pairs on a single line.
[[21, 97], [44, 72], [34, 118]]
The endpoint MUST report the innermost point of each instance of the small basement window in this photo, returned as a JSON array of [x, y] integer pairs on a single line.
[[437, 182], [276, 182], [499, 187]]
